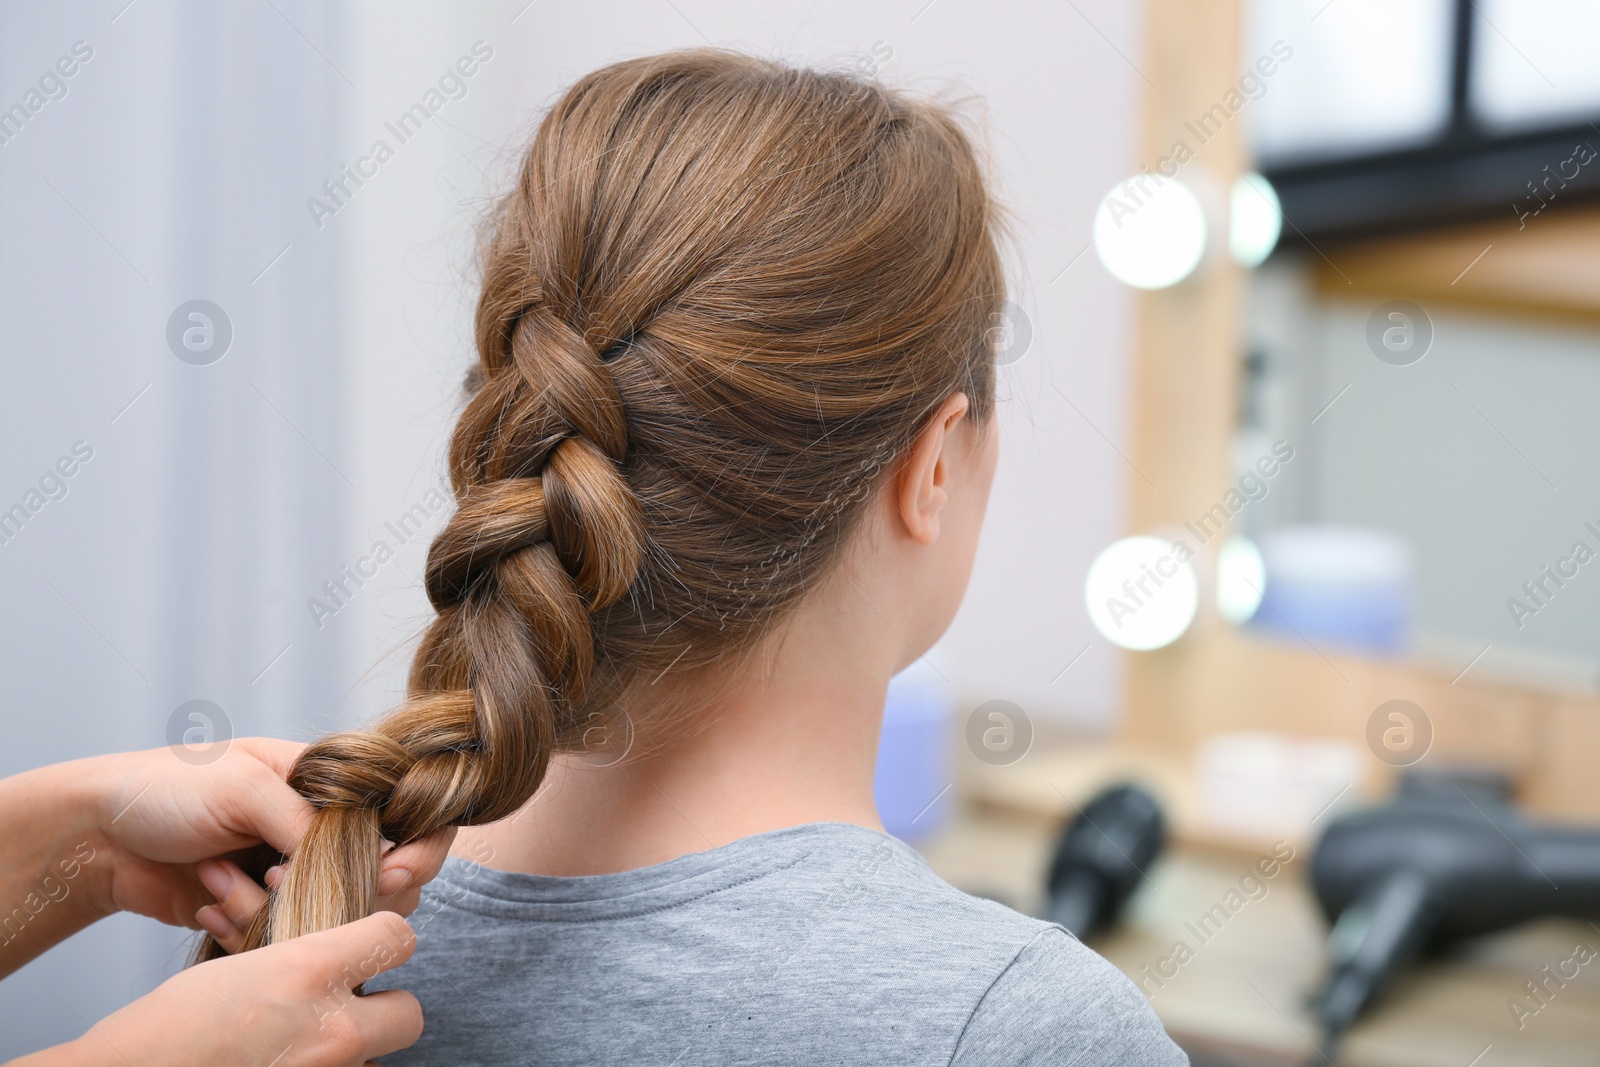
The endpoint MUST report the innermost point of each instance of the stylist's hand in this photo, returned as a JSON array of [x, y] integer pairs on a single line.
[[288, 1004], [161, 817]]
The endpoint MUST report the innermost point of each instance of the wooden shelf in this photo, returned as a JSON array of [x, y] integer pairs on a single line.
[[1549, 267]]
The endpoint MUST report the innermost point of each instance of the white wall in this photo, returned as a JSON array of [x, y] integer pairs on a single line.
[[183, 556]]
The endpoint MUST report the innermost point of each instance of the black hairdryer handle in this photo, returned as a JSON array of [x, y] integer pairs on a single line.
[[1384, 928], [1078, 899]]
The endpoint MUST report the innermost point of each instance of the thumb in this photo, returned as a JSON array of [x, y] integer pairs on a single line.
[[358, 951]]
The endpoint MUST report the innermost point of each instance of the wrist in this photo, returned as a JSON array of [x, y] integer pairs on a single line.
[[101, 794], [59, 867], [71, 808]]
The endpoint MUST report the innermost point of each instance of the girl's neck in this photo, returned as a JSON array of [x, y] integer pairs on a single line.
[[792, 740]]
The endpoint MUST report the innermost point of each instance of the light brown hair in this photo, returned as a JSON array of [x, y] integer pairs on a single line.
[[717, 306]]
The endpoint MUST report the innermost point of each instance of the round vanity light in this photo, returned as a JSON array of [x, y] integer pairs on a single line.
[[1241, 579], [1255, 220], [1150, 231], [1142, 592]]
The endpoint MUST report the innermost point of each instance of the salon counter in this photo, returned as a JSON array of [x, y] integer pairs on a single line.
[[1237, 993]]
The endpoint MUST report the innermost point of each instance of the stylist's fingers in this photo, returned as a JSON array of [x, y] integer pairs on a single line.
[[386, 1022], [254, 799], [238, 900], [274, 752], [297, 994], [362, 949], [407, 869]]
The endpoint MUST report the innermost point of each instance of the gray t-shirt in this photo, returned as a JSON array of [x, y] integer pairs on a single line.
[[824, 944]]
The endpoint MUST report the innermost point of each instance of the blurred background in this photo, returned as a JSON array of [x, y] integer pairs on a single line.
[[1294, 526]]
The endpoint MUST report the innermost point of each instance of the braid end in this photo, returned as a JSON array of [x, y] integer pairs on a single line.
[[332, 879]]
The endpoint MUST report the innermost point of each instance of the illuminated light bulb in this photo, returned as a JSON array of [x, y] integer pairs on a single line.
[[1150, 231], [1241, 579], [1142, 592], [1255, 220]]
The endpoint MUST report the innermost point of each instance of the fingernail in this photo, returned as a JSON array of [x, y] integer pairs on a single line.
[[393, 880], [273, 876], [217, 878], [215, 922]]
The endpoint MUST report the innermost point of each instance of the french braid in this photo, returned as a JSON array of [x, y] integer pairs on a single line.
[[717, 305]]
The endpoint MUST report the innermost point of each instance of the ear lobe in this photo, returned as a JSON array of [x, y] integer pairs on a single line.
[[921, 489]]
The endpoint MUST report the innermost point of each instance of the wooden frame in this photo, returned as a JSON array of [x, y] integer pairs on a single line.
[[1184, 393]]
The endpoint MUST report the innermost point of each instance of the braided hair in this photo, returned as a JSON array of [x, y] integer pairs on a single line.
[[717, 306]]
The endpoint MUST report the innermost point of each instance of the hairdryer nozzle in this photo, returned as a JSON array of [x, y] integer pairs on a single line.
[[1102, 855]]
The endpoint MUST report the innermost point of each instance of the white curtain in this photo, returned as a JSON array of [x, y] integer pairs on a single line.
[[170, 565]]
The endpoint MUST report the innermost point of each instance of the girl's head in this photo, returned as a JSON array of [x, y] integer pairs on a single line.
[[720, 305]]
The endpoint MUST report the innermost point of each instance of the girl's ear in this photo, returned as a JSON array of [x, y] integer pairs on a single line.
[[921, 488]]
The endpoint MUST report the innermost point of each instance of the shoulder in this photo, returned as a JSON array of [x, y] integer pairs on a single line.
[[1058, 999], [884, 885], [1028, 991]]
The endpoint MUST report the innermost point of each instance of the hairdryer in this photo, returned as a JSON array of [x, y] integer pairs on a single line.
[[1439, 862], [1101, 857]]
